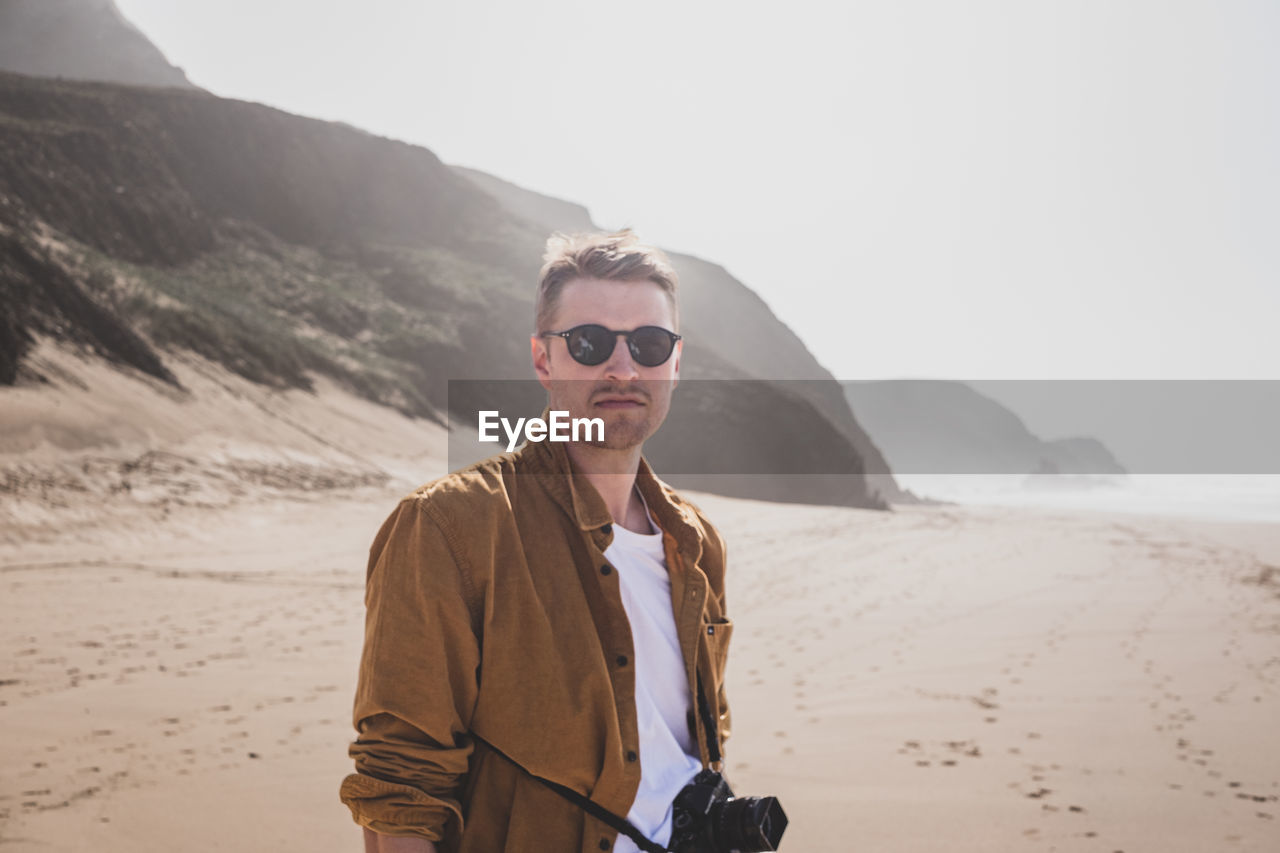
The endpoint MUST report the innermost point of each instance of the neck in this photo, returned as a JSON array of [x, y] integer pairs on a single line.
[[613, 474]]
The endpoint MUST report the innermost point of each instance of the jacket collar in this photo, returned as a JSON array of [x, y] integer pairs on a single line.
[[550, 463]]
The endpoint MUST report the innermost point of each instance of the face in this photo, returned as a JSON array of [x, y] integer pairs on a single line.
[[632, 399]]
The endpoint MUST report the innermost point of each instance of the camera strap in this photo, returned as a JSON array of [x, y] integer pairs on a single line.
[[598, 811], [708, 726], [594, 809]]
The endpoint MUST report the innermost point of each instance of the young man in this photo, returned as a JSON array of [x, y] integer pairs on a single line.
[[552, 611]]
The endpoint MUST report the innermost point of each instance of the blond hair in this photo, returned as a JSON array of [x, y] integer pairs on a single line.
[[616, 256]]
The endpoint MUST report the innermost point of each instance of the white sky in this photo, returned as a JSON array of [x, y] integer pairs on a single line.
[[1019, 189]]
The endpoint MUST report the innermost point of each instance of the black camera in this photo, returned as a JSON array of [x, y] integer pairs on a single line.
[[709, 819]]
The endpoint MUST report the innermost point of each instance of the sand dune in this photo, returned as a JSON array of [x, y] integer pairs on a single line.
[[108, 448], [935, 678]]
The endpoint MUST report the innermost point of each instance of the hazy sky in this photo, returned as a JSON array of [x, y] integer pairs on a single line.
[[1020, 189]]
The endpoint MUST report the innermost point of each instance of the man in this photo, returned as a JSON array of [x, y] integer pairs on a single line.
[[551, 612]]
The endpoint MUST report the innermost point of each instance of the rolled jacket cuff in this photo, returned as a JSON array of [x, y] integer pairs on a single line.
[[390, 808]]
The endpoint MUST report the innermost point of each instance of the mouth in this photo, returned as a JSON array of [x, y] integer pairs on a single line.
[[620, 403]]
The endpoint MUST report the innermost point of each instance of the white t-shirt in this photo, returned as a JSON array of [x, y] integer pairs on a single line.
[[669, 758]]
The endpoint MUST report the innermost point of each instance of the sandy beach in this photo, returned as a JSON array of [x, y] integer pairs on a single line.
[[937, 678], [182, 611]]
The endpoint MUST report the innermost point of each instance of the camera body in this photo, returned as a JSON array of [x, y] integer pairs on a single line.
[[708, 818]]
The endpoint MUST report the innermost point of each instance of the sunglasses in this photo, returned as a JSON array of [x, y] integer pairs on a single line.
[[592, 344]]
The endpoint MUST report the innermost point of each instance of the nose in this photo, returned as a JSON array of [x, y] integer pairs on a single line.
[[620, 365]]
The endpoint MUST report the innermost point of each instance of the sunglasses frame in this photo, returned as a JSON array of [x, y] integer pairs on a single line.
[[614, 338]]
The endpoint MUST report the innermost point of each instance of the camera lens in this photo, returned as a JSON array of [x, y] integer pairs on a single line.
[[749, 824]]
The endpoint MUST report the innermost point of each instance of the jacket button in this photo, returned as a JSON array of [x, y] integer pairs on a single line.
[[622, 660], [631, 755], [608, 528], [605, 569], [604, 844]]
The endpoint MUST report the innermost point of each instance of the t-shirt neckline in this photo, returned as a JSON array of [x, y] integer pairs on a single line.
[[641, 538]]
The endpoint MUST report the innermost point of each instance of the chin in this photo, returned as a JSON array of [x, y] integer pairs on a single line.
[[623, 435]]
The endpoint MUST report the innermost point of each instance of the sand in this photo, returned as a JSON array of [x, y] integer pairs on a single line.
[[179, 666], [968, 680]]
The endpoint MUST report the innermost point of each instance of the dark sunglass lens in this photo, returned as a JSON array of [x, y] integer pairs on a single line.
[[590, 344], [651, 345]]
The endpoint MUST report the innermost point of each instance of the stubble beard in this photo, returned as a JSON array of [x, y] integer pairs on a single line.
[[624, 429], [628, 430]]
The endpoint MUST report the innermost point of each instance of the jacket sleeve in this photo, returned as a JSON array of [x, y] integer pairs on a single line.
[[417, 684]]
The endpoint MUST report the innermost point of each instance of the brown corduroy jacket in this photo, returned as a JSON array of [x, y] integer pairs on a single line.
[[491, 610]]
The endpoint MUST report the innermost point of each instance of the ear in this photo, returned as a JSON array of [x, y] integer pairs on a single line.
[[541, 360]]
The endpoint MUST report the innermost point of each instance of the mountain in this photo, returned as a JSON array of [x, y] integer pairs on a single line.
[[144, 225], [80, 40], [552, 214], [946, 427]]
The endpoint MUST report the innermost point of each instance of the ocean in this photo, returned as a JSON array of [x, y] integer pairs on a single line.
[[1219, 497]]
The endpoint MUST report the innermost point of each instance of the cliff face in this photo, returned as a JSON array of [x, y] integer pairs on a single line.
[[139, 222], [273, 244], [80, 40]]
